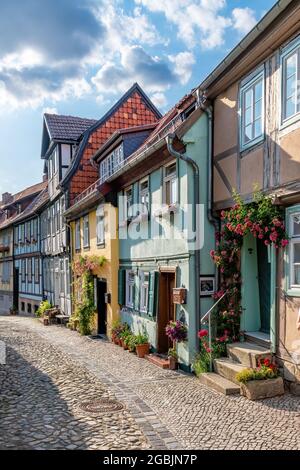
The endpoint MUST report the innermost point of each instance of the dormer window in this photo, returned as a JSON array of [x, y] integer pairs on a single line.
[[112, 163]]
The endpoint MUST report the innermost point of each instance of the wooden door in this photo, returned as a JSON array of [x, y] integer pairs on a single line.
[[166, 311], [101, 307]]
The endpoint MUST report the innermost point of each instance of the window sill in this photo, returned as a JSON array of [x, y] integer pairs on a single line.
[[101, 245], [253, 145], [293, 293], [289, 121]]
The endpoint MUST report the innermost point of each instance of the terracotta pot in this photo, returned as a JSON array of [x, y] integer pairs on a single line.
[[173, 363], [142, 349]]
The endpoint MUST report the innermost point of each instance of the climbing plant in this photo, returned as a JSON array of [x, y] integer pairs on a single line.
[[83, 268], [265, 222]]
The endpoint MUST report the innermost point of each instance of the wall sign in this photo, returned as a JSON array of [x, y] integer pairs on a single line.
[[207, 286]]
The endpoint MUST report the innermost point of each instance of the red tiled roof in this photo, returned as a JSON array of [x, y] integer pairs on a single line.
[[30, 191]]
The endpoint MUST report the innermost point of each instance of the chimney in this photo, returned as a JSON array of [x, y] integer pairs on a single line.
[[7, 198]]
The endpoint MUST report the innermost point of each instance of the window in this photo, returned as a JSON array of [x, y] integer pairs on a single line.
[[112, 163], [36, 270], [62, 277], [130, 276], [23, 306], [23, 270], [6, 272], [28, 308], [77, 235], [144, 283], [128, 201], [252, 111], [86, 232], [29, 270], [170, 184], [294, 229], [100, 225], [290, 84], [144, 195]]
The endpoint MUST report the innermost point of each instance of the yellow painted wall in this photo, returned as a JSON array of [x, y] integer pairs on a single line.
[[110, 251]]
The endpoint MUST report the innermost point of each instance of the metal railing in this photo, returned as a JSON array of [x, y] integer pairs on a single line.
[[87, 192], [204, 320]]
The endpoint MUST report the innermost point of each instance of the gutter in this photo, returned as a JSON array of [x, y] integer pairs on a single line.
[[195, 168]]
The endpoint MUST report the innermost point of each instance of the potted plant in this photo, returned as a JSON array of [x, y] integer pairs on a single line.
[[13, 310], [176, 331], [261, 382], [142, 345], [116, 330], [131, 341], [123, 335], [173, 358]]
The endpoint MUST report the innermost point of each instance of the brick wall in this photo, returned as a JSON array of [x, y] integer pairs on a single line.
[[133, 112]]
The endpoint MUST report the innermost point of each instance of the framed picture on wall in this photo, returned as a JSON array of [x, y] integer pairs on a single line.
[[207, 286]]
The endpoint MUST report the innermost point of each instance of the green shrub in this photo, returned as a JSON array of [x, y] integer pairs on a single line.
[[262, 372], [44, 305]]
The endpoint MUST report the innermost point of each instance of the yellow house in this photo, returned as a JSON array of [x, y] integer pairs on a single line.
[[94, 243], [6, 268]]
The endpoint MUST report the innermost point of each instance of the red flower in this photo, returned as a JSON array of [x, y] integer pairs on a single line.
[[202, 333], [267, 362]]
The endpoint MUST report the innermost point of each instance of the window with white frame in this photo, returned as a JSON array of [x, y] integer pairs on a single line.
[[36, 270], [29, 270], [144, 291], [252, 111], [294, 248], [170, 184], [100, 228], [144, 195], [6, 272], [86, 232], [290, 83], [130, 278], [77, 235], [112, 163], [128, 201]]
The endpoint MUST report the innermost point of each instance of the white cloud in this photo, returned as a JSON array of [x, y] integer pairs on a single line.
[[183, 65], [197, 21], [134, 65], [159, 99], [243, 19], [49, 110]]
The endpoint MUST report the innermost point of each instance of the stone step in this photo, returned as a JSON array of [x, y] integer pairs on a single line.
[[248, 354], [228, 369], [259, 338], [219, 383]]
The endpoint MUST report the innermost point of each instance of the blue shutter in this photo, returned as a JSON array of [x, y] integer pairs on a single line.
[[153, 293], [121, 286], [136, 292]]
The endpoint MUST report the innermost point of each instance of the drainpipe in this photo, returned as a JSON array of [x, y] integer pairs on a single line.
[[209, 113], [195, 168]]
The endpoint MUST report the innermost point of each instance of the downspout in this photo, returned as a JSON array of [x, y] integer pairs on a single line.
[[195, 168], [212, 219]]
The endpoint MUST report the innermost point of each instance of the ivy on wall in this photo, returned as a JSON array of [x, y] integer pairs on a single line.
[[83, 268]]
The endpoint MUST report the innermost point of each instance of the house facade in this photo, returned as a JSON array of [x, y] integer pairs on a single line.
[[157, 201], [256, 129], [27, 255], [11, 209], [93, 217]]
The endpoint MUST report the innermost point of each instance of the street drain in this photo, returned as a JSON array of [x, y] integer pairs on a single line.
[[104, 405]]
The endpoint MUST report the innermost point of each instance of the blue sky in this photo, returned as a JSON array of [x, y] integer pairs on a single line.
[[79, 56]]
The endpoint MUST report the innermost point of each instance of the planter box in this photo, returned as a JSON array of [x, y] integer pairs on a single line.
[[142, 350], [259, 389]]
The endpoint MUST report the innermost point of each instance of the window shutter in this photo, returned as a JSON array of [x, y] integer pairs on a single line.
[[121, 286], [136, 291], [153, 293]]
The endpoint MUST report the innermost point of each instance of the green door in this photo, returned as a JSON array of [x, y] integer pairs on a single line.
[[264, 285]]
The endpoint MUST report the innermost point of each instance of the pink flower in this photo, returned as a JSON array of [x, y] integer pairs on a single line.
[[284, 243], [202, 333], [267, 242]]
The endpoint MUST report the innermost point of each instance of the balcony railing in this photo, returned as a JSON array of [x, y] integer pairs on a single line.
[[87, 192]]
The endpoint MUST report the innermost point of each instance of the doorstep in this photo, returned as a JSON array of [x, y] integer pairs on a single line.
[[258, 337]]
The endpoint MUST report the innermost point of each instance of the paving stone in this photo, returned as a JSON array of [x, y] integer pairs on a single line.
[[51, 370]]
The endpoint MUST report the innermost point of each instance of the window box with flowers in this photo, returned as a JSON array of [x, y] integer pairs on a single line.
[[261, 382]]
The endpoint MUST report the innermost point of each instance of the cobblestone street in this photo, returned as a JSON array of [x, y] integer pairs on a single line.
[[51, 371]]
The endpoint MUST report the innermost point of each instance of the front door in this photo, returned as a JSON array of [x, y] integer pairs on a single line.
[[101, 306], [166, 310], [264, 286]]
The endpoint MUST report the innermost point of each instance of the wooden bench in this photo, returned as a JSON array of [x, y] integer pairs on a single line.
[[63, 319]]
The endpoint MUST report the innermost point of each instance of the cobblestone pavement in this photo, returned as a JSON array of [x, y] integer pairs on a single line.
[[51, 370]]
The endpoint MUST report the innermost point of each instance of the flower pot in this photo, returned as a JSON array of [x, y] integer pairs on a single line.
[[173, 363], [142, 349], [259, 389]]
